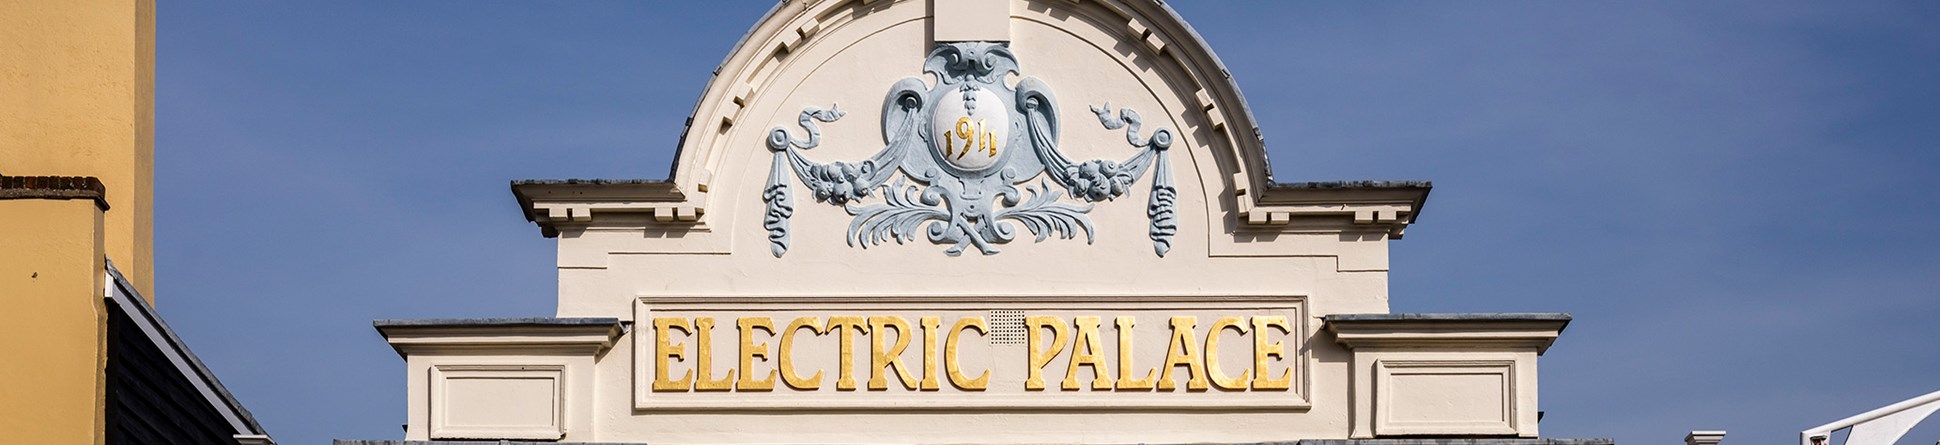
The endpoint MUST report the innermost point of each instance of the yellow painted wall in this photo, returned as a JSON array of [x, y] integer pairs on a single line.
[[53, 340], [77, 98]]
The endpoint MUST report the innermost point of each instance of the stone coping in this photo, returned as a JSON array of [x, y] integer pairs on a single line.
[[482, 322], [1364, 184], [592, 335], [1456, 316], [54, 187], [1504, 329], [588, 181]]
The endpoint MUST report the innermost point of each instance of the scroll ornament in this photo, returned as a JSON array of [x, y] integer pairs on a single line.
[[955, 141]]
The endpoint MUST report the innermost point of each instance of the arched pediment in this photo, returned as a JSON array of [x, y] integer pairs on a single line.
[[834, 69]]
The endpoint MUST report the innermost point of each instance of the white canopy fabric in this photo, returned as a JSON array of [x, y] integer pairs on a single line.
[[1888, 429], [1881, 426]]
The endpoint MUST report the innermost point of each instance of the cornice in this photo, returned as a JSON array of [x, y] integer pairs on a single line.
[[551, 203], [1506, 330], [1389, 205], [589, 336]]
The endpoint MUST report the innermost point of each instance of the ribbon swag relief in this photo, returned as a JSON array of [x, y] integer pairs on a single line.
[[955, 140]]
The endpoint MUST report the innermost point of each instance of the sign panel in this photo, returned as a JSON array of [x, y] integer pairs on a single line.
[[889, 353]]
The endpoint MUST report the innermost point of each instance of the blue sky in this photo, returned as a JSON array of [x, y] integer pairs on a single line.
[[1734, 198]]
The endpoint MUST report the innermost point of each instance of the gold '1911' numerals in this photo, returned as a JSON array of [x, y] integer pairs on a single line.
[[973, 135]]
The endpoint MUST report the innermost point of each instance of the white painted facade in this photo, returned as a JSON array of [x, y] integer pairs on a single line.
[[1251, 299]]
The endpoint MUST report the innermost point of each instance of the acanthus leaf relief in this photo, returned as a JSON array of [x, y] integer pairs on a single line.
[[955, 141]]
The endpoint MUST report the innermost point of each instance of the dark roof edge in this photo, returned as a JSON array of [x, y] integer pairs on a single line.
[[1454, 316], [592, 181], [1456, 441], [467, 442], [147, 314], [1361, 184], [54, 187], [501, 321]]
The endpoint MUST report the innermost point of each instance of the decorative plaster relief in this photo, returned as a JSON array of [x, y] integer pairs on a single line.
[[956, 140]]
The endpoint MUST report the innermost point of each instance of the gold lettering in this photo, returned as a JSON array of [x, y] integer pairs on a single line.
[[950, 364], [1085, 352], [929, 351], [984, 140], [967, 134], [664, 349], [888, 356], [846, 327], [786, 361], [1212, 354], [704, 365], [750, 350], [1263, 351], [1125, 353], [1048, 337], [1041, 356], [1184, 351]]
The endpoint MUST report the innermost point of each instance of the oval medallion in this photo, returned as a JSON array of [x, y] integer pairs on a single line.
[[969, 129]]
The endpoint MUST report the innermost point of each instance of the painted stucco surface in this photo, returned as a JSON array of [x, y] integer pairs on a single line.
[[53, 343], [77, 99]]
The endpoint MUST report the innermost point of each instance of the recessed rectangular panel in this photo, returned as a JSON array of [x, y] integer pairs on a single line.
[[970, 20], [1465, 398], [747, 353], [1444, 397], [496, 402]]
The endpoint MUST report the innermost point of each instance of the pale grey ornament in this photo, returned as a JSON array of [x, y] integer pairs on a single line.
[[958, 141]]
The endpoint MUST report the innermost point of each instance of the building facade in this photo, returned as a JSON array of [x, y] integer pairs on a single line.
[[1029, 221], [83, 356]]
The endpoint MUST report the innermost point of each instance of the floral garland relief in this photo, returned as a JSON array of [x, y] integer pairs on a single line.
[[955, 141]]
